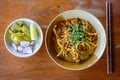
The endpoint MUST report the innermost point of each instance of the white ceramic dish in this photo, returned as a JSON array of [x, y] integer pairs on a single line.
[[101, 39], [38, 42]]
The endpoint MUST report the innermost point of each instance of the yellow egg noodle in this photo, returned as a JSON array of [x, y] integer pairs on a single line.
[[75, 40]]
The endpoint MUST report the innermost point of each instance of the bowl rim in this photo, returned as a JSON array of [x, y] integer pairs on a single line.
[[103, 49], [27, 20]]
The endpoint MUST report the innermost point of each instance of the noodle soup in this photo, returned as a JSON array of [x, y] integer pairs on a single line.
[[75, 40]]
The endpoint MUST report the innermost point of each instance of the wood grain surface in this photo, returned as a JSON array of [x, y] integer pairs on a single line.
[[40, 66]]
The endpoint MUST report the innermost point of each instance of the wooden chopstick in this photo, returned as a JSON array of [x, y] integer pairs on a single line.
[[109, 46]]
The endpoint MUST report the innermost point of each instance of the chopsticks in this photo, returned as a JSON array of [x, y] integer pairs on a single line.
[[108, 29]]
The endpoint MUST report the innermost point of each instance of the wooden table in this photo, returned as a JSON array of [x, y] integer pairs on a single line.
[[40, 66]]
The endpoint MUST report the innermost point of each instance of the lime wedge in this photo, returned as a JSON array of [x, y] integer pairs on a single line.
[[33, 32]]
